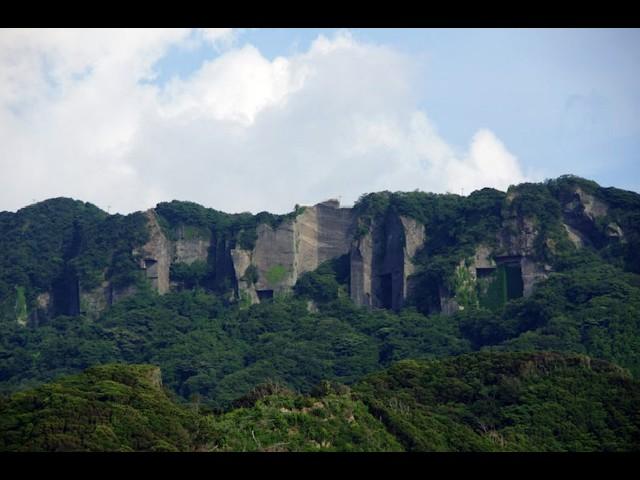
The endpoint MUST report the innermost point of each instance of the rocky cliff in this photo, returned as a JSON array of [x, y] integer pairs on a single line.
[[381, 258], [382, 261], [252, 258], [298, 245]]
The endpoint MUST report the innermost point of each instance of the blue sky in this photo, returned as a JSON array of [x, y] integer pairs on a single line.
[[295, 115]]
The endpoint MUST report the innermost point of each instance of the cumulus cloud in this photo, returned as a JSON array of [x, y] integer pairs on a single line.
[[80, 116]]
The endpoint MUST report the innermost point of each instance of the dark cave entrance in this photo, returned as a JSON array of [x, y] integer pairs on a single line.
[[515, 286], [512, 267], [264, 295], [482, 273], [385, 291], [151, 265], [66, 294]]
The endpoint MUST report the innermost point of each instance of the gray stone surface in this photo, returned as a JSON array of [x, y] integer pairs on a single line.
[[156, 255], [241, 261], [296, 246], [191, 250], [361, 265], [94, 301], [381, 262]]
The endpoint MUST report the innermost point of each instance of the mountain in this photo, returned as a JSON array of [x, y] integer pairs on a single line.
[[479, 402], [106, 408], [225, 302]]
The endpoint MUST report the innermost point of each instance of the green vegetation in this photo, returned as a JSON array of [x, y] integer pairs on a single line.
[[287, 422], [469, 381], [107, 408], [190, 220], [251, 275], [276, 274], [464, 286], [456, 226], [59, 244], [479, 402], [507, 402], [21, 306], [191, 275]]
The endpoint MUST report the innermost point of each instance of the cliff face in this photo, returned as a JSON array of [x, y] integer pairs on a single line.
[[381, 262], [296, 246], [155, 259], [518, 238], [156, 255]]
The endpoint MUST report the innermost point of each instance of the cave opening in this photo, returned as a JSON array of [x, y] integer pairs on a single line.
[[66, 294], [482, 273], [264, 295], [151, 265], [515, 285], [385, 292]]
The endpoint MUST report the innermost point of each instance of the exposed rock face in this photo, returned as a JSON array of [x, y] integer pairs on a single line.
[[43, 310], [275, 257], [582, 213], [483, 259], [577, 238], [281, 255], [592, 207], [414, 236], [96, 300], [361, 266], [381, 262], [517, 237], [156, 255], [159, 253], [532, 273], [117, 294], [189, 251], [613, 230], [241, 262]]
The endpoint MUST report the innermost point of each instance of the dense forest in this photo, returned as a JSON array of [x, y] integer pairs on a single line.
[[476, 402], [306, 363]]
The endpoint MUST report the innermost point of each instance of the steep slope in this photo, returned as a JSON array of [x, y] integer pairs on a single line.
[[106, 408], [507, 402], [477, 402]]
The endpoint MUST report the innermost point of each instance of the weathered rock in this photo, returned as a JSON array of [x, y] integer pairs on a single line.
[[156, 255], [532, 273], [582, 214], [381, 262], [414, 234], [95, 301], [191, 250], [43, 310], [517, 237], [241, 262], [483, 258], [361, 266], [296, 246], [576, 237], [614, 231], [117, 294], [593, 208]]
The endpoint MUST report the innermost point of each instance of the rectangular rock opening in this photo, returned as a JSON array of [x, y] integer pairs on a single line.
[[264, 294], [482, 273], [515, 285], [66, 294], [385, 292], [151, 266]]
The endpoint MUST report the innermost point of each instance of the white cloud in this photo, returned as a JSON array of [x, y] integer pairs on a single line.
[[241, 133]]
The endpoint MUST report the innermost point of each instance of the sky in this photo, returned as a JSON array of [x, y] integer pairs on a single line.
[[263, 119]]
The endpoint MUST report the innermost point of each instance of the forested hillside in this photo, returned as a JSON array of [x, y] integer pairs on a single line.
[[465, 328], [479, 402]]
